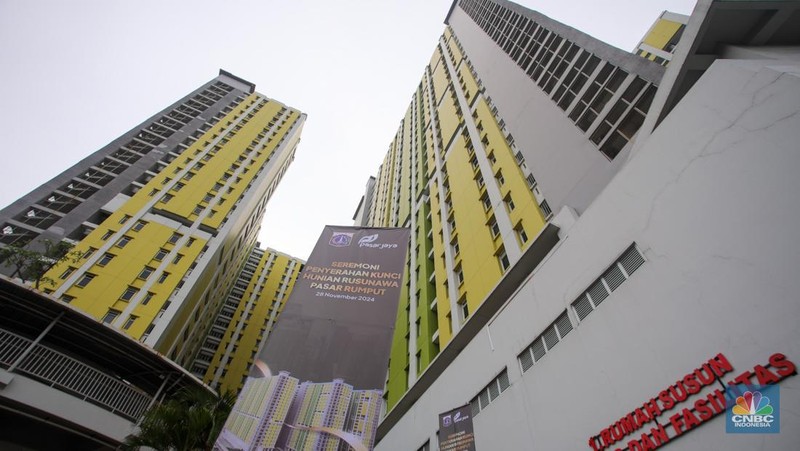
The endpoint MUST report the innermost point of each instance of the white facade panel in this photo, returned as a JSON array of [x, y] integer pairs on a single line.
[[711, 201]]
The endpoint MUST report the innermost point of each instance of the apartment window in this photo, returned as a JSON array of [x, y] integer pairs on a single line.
[[208, 198], [129, 322], [107, 235], [177, 259], [500, 179], [459, 275], [146, 272], [129, 293], [89, 252], [65, 298], [630, 124], [494, 228], [163, 277], [520, 158], [509, 203], [198, 209], [188, 176], [464, 309], [190, 242], [178, 186], [502, 258], [139, 226], [147, 298], [174, 238], [105, 259], [167, 198], [546, 211], [124, 219], [531, 181], [595, 98], [85, 280], [123, 241], [487, 204], [66, 273], [160, 254], [110, 316], [521, 235], [456, 249]]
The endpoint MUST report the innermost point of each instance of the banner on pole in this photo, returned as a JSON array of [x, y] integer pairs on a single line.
[[319, 378], [455, 430]]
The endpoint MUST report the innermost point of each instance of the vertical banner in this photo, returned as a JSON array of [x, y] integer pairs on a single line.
[[455, 430], [318, 381]]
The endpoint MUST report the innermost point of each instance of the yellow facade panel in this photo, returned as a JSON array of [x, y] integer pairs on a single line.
[[475, 243], [452, 45], [436, 59], [449, 118], [440, 82], [661, 33], [467, 80]]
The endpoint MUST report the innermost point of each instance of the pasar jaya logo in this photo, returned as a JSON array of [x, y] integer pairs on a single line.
[[369, 241], [753, 412]]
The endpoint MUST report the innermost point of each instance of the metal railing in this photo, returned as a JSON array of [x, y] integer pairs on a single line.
[[73, 376]]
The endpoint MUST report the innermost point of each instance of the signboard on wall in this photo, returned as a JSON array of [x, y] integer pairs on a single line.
[[318, 380], [455, 430]]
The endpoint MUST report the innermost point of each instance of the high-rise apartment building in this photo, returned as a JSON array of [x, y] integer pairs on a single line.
[[659, 210], [516, 116], [246, 319], [164, 216], [279, 412], [257, 419]]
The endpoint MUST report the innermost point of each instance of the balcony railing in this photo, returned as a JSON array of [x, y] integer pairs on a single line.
[[72, 376]]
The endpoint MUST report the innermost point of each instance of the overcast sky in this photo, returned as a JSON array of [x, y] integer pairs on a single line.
[[77, 74]]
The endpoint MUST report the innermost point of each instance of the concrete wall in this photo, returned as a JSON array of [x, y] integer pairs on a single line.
[[58, 407], [570, 169], [711, 200]]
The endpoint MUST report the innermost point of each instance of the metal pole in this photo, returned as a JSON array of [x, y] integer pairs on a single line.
[[34, 343], [155, 398]]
